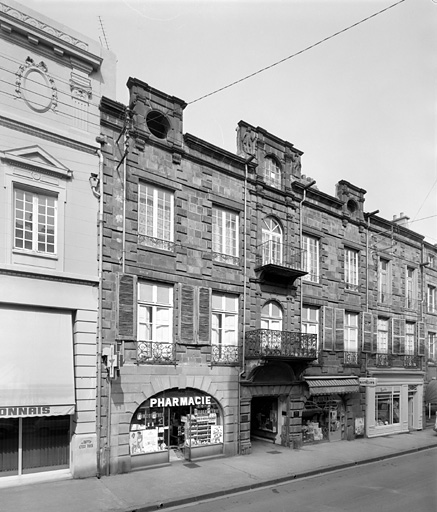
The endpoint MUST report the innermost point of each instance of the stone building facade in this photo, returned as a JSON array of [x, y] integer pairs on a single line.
[[52, 81], [242, 303]]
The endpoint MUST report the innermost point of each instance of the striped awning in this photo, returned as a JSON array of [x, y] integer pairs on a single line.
[[333, 385]]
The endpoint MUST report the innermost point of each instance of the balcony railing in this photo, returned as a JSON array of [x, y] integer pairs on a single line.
[[411, 361], [383, 360], [277, 253], [224, 354], [157, 243], [155, 352], [351, 358], [269, 343]]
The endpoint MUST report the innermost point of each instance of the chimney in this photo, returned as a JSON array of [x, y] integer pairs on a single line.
[[402, 220]]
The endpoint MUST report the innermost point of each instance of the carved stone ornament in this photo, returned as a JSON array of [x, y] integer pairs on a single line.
[[36, 87], [246, 141], [80, 87], [29, 20]]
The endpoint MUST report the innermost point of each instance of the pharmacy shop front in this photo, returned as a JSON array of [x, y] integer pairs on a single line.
[[176, 425]]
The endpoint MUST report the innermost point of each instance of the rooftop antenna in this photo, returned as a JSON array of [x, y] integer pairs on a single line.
[[104, 33]]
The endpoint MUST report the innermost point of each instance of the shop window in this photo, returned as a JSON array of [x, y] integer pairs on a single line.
[[155, 217], [44, 442], [387, 408], [155, 322], [224, 339], [272, 173], [176, 421], [351, 269], [35, 215], [225, 236], [310, 247]]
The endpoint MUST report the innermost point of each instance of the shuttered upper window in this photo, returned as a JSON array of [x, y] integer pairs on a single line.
[[224, 319], [155, 217], [351, 331], [155, 312]]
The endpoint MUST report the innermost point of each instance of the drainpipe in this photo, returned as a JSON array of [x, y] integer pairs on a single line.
[[305, 188], [243, 345], [100, 310]]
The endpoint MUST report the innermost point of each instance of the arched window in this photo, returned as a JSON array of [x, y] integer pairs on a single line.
[[271, 241], [272, 172], [271, 316]]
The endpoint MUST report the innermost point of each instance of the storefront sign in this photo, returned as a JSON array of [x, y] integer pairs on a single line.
[[40, 410], [368, 381], [179, 401]]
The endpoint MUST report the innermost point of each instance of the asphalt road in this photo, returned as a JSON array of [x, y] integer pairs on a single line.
[[402, 484]]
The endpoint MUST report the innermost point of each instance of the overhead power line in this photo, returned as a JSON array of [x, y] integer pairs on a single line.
[[296, 54]]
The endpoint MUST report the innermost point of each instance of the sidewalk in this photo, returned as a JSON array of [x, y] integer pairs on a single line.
[[184, 482]]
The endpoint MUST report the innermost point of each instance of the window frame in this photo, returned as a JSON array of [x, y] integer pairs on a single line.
[[432, 346], [272, 172], [382, 345], [36, 194], [311, 257], [307, 322], [410, 287], [164, 240], [384, 279], [154, 305], [349, 328], [272, 241], [270, 318], [225, 228], [219, 334], [431, 292], [351, 268], [410, 337]]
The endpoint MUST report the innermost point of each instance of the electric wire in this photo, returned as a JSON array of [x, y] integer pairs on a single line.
[[297, 53]]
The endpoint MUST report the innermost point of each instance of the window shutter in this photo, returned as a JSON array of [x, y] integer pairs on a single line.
[[339, 330], [421, 338], [126, 306], [328, 328], [367, 332], [186, 308], [204, 317], [375, 334]]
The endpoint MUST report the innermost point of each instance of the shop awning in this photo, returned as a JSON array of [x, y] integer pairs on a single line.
[[36, 363], [330, 386]]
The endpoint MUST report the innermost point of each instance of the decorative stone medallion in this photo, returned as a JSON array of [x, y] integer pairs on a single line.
[[36, 86]]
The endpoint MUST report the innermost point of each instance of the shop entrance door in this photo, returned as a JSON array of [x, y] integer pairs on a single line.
[[264, 418]]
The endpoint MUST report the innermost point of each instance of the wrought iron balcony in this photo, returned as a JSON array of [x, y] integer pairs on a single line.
[[281, 344], [155, 352], [383, 360], [277, 261], [412, 361], [157, 243], [351, 358], [224, 354]]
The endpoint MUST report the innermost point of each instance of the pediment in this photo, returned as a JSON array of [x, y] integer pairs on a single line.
[[37, 159]]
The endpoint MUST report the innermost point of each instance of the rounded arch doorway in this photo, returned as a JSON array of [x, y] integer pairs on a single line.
[[176, 425]]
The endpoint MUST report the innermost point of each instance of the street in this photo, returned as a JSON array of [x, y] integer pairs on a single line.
[[406, 483]]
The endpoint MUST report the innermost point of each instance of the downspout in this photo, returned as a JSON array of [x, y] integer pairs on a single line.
[[305, 188], [243, 345], [99, 315]]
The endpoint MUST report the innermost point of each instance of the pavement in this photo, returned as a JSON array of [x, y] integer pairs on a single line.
[[181, 483]]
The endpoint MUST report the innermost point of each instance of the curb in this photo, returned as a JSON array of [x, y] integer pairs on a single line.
[[275, 481]]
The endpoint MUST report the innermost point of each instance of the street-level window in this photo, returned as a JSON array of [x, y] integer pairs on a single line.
[[431, 299], [432, 347], [225, 235], [155, 322], [35, 221], [224, 339], [382, 336], [272, 172], [351, 269], [310, 247], [387, 408], [155, 217]]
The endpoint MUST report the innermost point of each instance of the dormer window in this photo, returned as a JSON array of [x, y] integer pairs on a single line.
[[272, 172]]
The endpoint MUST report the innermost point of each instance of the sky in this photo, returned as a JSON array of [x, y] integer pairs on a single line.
[[362, 105]]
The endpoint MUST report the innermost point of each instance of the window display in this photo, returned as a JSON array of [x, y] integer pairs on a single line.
[[387, 408]]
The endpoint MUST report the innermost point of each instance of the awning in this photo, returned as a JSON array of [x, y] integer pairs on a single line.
[[330, 386], [36, 363]]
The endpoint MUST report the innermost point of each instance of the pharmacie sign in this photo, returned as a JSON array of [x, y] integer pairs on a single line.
[[177, 401]]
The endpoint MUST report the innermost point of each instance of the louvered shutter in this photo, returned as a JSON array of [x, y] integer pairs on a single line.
[[375, 347], [126, 307], [187, 314], [421, 338], [204, 316], [328, 328], [367, 332], [339, 330]]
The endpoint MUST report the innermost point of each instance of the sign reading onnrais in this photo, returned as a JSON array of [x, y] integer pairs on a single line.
[[177, 401], [35, 410]]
